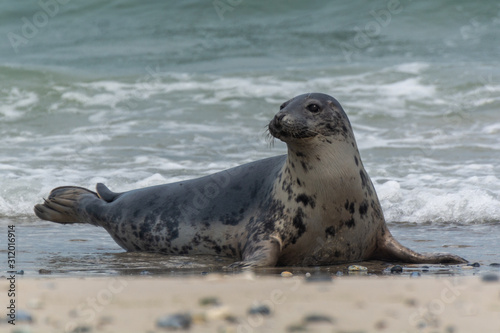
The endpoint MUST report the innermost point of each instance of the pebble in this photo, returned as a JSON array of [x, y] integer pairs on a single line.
[[209, 301], [105, 320], [415, 274], [219, 313], [318, 318], [397, 269], [495, 264], [25, 316], [450, 329], [296, 328], [21, 272], [176, 321], [44, 271], [490, 277], [82, 329], [260, 309], [380, 325], [145, 273], [425, 268], [286, 274], [476, 264], [319, 278], [357, 268]]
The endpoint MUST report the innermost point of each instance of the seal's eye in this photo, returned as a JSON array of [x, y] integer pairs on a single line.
[[313, 107]]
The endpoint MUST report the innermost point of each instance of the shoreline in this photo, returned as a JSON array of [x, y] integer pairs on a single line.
[[221, 303]]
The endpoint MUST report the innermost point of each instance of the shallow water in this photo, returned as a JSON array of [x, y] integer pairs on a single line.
[[138, 94], [47, 249]]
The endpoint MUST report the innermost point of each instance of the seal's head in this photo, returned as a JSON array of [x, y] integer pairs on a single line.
[[308, 116]]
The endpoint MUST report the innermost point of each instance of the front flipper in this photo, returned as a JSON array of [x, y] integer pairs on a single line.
[[263, 253], [390, 249]]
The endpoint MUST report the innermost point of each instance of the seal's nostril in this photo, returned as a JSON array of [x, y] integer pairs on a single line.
[[277, 121]]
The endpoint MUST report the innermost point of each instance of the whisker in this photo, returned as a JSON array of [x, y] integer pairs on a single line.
[[269, 138]]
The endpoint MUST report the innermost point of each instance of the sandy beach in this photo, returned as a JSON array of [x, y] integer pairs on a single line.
[[222, 303]]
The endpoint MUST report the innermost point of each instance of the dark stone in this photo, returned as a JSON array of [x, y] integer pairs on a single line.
[[176, 321], [23, 316], [495, 264], [259, 309], [490, 277], [209, 301], [476, 264], [318, 318], [397, 269]]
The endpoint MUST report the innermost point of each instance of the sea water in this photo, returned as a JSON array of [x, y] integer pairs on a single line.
[[134, 94]]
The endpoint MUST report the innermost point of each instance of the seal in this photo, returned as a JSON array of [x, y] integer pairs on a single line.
[[314, 206]]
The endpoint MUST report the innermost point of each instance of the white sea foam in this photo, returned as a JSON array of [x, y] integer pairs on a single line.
[[463, 206], [15, 103]]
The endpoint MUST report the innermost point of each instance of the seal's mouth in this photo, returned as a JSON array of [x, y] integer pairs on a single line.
[[284, 131]]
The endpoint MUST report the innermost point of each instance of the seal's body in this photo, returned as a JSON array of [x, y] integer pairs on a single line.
[[314, 206]]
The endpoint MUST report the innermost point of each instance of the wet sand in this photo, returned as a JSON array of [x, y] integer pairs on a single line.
[[221, 303]]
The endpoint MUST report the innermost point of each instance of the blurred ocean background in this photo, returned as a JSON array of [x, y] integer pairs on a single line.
[[139, 93]]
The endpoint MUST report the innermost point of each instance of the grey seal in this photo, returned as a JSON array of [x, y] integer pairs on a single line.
[[314, 206]]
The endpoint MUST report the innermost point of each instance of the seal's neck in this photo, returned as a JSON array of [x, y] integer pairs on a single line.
[[322, 169], [326, 161]]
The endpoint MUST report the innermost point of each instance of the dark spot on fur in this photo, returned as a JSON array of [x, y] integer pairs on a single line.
[[304, 165], [363, 208], [356, 160], [363, 178], [293, 165], [349, 206], [298, 182], [350, 223], [337, 254], [299, 154], [173, 229], [330, 231], [145, 229], [298, 223], [306, 200]]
